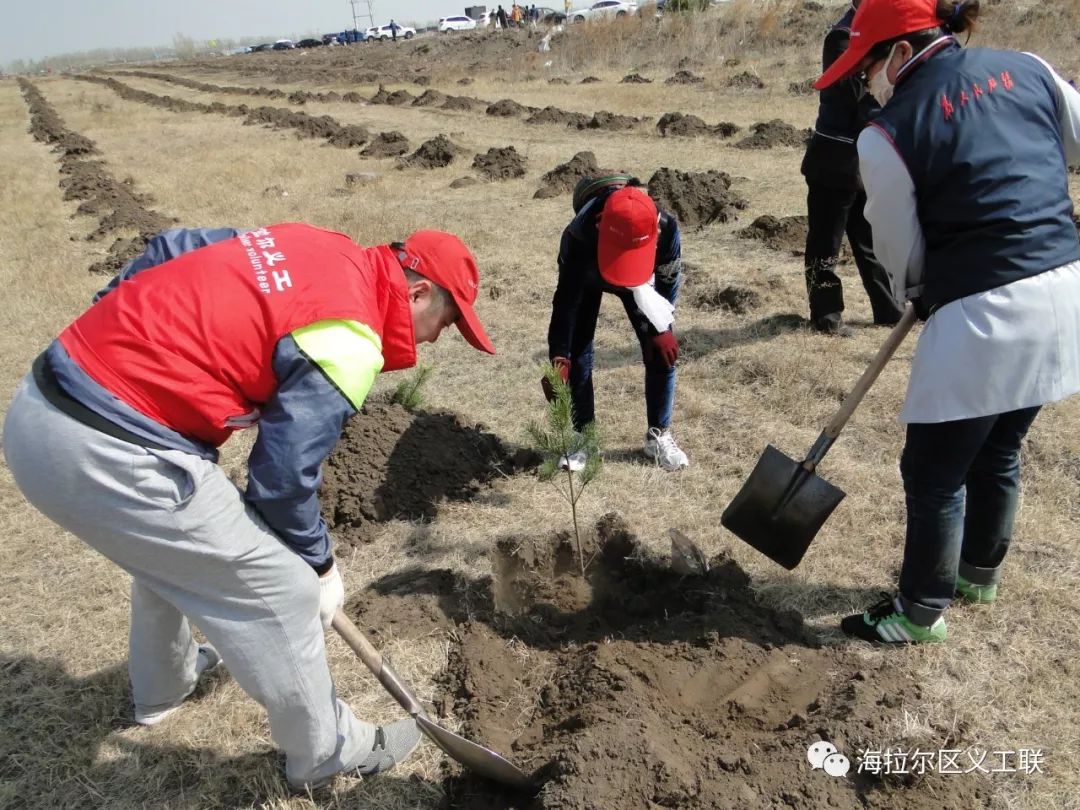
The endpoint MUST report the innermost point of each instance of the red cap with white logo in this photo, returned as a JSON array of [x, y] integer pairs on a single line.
[[879, 21], [443, 259], [626, 252]]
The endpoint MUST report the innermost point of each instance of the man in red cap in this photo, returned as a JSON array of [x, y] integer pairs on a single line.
[[619, 243], [968, 197], [115, 434]]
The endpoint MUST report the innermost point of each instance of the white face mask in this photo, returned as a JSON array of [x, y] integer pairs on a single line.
[[879, 85]]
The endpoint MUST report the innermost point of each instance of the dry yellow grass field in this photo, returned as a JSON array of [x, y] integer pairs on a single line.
[[1008, 675]]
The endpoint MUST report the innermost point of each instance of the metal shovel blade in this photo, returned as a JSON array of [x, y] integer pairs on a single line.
[[476, 758], [781, 508]]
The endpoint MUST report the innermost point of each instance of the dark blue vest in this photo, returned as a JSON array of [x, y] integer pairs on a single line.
[[979, 132]]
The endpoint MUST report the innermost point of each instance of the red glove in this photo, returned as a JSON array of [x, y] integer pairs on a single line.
[[562, 365], [666, 347]]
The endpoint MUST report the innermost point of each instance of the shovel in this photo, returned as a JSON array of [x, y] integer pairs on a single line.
[[784, 503], [475, 757]]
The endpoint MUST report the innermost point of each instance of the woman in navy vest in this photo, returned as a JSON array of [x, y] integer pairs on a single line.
[[967, 194]]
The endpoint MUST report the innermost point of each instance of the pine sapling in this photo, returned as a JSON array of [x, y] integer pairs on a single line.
[[409, 393], [557, 439]]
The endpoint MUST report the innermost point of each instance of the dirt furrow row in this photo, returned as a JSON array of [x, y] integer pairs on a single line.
[[120, 209]]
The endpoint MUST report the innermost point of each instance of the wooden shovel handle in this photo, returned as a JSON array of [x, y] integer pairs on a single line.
[[378, 665], [885, 353]]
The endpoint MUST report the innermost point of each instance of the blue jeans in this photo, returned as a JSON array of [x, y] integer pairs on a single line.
[[659, 379], [962, 481]]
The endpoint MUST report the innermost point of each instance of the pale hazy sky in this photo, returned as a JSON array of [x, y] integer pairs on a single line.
[[33, 29]]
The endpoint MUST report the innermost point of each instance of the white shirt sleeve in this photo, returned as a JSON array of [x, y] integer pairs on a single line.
[[1068, 104], [892, 213]]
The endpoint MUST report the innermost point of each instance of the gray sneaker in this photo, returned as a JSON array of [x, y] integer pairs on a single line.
[[207, 661], [393, 744]]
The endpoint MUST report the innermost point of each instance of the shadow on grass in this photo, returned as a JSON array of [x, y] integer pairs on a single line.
[[53, 726]]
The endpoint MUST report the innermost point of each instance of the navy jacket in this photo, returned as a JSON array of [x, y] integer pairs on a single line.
[[843, 110], [579, 271], [978, 130]]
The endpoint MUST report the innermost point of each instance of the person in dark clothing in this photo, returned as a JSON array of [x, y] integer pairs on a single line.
[[619, 243], [393, 30], [500, 16], [835, 198]]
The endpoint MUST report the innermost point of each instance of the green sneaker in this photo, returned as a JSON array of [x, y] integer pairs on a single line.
[[976, 594], [886, 623]]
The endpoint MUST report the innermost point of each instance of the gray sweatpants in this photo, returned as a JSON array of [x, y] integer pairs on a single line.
[[195, 550]]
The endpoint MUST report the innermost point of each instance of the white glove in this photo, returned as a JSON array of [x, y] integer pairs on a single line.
[[331, 595]]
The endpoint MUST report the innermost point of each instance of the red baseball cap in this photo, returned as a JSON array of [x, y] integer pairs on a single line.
[[879, 21], [628, 230], [443, 259]]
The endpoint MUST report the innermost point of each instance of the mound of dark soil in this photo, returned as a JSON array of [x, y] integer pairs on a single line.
[[464, 182], [380, 96], [506, 108], [554, 115], [738, 300], [500, 163], [635, 78], [558, 80], [563, 178], [784, 233], [387, 144], [465, 81], [399, 98], [391, 463], [433, 154], [610, 121], [767, 134], [640, 687], [746, 81], [696, 199], [349, 136], [803, 88], [690, 126], [590, 80], [430, 98], [462, 103], [684, 77]]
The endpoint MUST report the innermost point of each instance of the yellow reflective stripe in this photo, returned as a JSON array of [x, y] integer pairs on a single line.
[[348, 353]]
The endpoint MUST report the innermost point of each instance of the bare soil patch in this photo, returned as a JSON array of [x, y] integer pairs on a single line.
[[690, 126], [745, 81], [634, 78], [393, 464], [640, 687], [507, 108], [555, 115], [696, 198], [767, 134], [500, 163], [684, 77]]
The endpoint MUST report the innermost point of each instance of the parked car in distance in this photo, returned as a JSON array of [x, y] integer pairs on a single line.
[[383, 32], [603, 10], [551, 16], [456, 23], [309, 43], [284, 45]]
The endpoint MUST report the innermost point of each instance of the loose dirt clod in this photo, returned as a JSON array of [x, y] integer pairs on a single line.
[[590, 80], [635, 78], [738, 300], [563, 178], [391, 463], [506, 108], [746, 81], [554, 115], [684, 77], [767, 134], [638, 687], [696, 199], [462, 103], [387, 144], [679, 124], [430, 98], [500, 163], [613, 122], [432, 154], [783, 233]]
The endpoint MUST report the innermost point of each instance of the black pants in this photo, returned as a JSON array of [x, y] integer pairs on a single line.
[[831, 213]]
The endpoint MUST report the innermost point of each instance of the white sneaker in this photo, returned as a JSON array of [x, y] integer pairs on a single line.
[[575, 462], [207, 661], [660, 447]]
